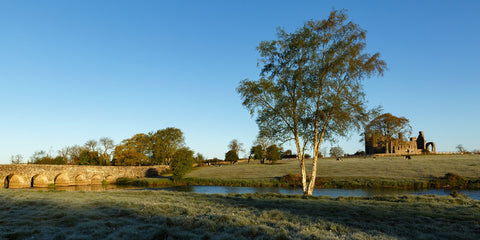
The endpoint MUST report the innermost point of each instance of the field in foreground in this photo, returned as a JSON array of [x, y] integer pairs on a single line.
[[421, 166], [173, 215]]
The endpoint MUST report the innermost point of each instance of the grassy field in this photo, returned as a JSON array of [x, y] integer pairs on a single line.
[[174, 215], [421, 166]]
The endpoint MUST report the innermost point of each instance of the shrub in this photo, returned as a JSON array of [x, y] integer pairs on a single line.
[[181, 163]]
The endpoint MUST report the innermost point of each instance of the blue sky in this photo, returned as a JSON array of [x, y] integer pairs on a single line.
[[71, 71]]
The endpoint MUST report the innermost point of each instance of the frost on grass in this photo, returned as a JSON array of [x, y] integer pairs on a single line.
[[169, 215]]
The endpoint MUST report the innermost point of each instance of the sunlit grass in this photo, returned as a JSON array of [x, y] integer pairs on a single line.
[[420, 166], [174, 215]]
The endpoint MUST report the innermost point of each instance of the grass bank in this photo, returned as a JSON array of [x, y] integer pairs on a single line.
[[176, 215], [421, 172]]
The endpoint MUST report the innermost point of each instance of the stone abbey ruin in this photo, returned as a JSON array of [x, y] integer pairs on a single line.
[[376, 144]]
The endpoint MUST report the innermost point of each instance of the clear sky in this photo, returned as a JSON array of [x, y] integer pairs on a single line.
[[71, 71]]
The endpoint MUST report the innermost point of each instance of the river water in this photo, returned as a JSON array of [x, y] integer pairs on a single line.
[[474, 194]]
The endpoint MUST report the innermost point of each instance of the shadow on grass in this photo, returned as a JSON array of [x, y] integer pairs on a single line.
[[409, 217], [170, 215]]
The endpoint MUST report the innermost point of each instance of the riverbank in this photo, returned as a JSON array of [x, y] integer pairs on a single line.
[[449, 181], [176, 215]]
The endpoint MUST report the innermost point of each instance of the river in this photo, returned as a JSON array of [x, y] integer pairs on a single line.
[[474, 194]]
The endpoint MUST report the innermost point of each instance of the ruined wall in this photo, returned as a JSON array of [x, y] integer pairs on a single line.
[[416, 145], [38, 175]]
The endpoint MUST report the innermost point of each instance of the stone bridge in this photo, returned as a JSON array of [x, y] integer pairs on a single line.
[[38, 175]]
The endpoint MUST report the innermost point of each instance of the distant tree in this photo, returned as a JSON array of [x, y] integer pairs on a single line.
[[38, 156], [91, 145], [231, 156], [236, 146], [199, 158], [41, 157], [165, 143], [360, 153], [288, 152], [461, 149], [336, 151], [257, 152], [88, 157], [107, 147], [310, 86], [181, 163], [273, 153], [73, 154], [134, 151], [65, 154], [16, 159], [387, 126]]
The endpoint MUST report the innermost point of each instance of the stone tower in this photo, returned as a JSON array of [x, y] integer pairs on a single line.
[[421, 141]]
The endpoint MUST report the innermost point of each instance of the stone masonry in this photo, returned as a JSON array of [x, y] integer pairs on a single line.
[[398, 146], [38, 175]]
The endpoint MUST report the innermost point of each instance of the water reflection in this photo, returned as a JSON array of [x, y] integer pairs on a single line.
[[87, 188]]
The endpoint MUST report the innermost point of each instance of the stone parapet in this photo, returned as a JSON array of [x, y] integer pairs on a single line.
[[40, 175]]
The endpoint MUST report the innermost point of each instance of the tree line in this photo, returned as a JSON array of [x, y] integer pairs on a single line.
[[161, 147]]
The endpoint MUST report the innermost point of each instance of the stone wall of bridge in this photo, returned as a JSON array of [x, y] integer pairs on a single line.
[[38, 175]]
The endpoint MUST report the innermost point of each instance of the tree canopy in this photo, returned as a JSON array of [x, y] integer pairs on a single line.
[[389, 126], [310, 85]]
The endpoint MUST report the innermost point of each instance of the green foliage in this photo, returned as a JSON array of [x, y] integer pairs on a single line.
[[41, 157], [165, 143], [273, 153], [310, 85], [231, 156], [88, 157], [157, 147], [181, 163], [257, 152]]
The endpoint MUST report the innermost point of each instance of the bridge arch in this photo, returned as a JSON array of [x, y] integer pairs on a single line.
[[6, 182], [110, 179], [62, 179], [14, 181], [430, 145], [97, 179], [81, 180], [39, 180]]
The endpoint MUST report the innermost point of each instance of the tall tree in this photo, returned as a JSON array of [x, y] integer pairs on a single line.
[[134, 151], [165, 143], [310, 85]]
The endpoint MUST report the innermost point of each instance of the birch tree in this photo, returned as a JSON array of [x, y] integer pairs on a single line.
[[310, 86]]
